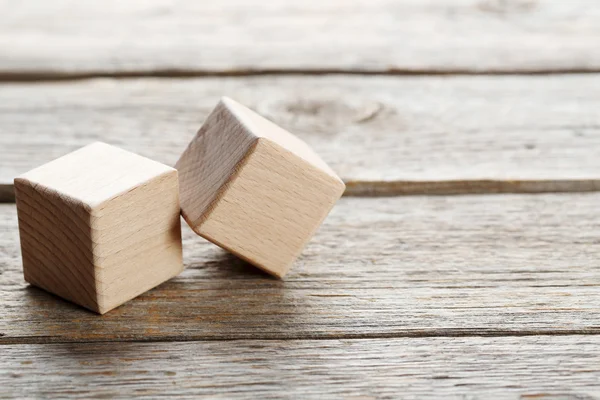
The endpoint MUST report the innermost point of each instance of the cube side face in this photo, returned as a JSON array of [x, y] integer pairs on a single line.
[[56, 244], [137, 241], [209, 161], [271, 208]]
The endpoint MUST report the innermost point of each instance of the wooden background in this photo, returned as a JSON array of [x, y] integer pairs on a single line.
[[462, 263]]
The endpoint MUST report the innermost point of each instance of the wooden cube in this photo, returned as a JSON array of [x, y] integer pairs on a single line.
[[253, 188], [99, 226]]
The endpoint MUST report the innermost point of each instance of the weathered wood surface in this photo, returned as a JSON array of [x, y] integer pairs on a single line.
[[384, 267], [404, 290], [383, 135], [70, 38], [545, 367]]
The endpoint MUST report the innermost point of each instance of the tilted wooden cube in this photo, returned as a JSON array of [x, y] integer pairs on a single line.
[[253, 188], [99, 226]]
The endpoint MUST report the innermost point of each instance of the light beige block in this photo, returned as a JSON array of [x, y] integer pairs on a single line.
[[253, 188], [99, 226]]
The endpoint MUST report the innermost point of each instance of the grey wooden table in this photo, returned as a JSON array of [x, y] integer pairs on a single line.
[[462, 263]]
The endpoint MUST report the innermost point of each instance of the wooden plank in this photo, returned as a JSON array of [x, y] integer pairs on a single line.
[[547, 367], [385, 267], [382, 135], [69, 39]]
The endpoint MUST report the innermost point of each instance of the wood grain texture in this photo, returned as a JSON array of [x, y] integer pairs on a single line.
[[546, 368], [253, 188], [382, 135], [99, 226], [384, 267], [69, 38], [271, 208]]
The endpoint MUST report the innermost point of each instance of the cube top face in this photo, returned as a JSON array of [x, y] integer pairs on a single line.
[[104, 252], [254, 188], [95, 173]]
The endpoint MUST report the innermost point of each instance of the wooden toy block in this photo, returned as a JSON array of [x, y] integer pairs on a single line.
[[253, 188], [99, 226]]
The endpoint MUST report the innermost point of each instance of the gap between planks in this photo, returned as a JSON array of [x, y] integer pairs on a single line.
[[52, 76], [436, 188], [449, 333]]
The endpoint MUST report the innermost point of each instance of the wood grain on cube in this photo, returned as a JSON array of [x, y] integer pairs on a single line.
[[99, 226], [378, 267], [60, 39], [253, 188]]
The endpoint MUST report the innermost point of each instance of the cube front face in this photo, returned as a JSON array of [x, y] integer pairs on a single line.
[[137, 241], [102, 254], [271, 207]]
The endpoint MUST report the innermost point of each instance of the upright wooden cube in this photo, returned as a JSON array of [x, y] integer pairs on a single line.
[[99, 226], [253, 188]]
